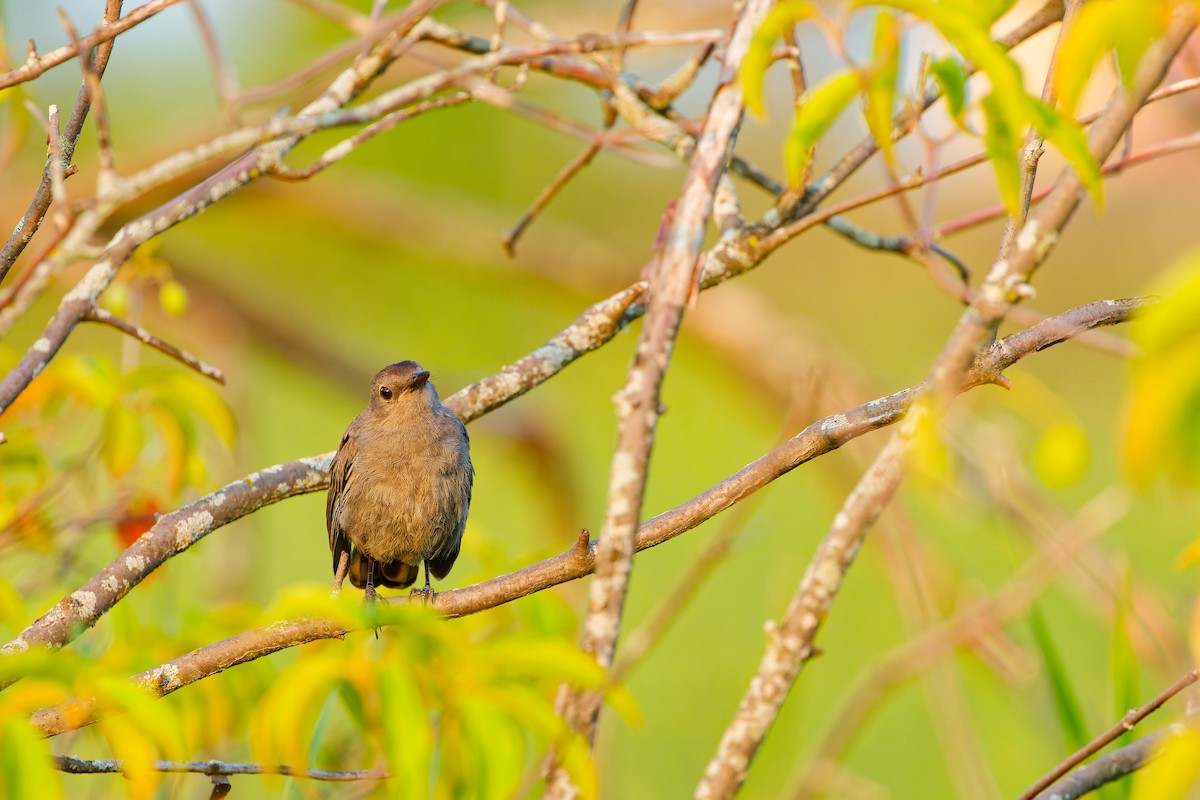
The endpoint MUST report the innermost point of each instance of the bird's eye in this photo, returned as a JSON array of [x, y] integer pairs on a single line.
[[385, 393]]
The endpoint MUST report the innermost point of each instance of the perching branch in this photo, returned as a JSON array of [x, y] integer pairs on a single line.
[[83, 608]]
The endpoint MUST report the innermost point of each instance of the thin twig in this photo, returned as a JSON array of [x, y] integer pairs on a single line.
[[1127, 723], [146, 337], [77, 303], [1171, 146], [104, 152], [1112, 767], [224, 78], [35, 65], [509, 240], [32, 219], [348, 145], [56, 169], [1032, 150]]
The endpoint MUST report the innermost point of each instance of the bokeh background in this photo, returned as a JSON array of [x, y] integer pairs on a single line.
[[301, 291]]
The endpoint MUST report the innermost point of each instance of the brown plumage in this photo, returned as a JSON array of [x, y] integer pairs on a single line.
[[400, 484]]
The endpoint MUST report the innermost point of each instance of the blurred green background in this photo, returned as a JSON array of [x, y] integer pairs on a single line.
[[300, 292]]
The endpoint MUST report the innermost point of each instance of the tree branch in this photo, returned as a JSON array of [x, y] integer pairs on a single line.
[[32, 219], [791, 643], [78, 302], [673, 284], [35, 65]]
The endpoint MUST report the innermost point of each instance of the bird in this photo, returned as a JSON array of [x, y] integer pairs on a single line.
[[399, 486]]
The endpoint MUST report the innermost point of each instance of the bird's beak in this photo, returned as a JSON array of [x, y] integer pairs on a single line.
[[420, 378]]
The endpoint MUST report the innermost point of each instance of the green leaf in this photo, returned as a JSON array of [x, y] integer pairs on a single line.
[[499, 745], [1141, 25], [25, 764], [1070, 714], [195, 395], [408, 740], [280, 722], [527, 657], [951, 79], [1123, 665], [1008, 108], [985, 11], [177, 441], [782, 18], [816, 113], [1004, 151], [1062, 455], [154, 719], [1068, 138]]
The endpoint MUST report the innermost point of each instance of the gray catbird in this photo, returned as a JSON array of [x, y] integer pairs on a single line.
[[399, 485]]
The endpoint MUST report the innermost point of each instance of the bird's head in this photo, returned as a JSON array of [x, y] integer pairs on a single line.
[[401, 386]]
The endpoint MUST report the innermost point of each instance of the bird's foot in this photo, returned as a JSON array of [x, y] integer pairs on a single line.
[[370, 598], [428, 595]]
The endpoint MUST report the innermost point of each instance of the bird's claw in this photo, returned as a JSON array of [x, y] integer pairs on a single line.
[[428, 595]]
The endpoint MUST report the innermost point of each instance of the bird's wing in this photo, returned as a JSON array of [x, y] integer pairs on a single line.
[[339, 478], [441, 562]]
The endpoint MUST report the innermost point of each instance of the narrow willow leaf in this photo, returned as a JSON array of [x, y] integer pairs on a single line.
[[881, 81], [1162, 416], [123, 440], [782, 18], [1068, 138], [951, 79], [1066, 704], [814, 116], [407, 735], [1003, 149], [1123, 667]]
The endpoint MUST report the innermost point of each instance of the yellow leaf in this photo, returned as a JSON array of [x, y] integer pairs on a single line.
[[881, 81], [1173, 774], [783, 17], [122, 440], [1062, 455], [928, 454]]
